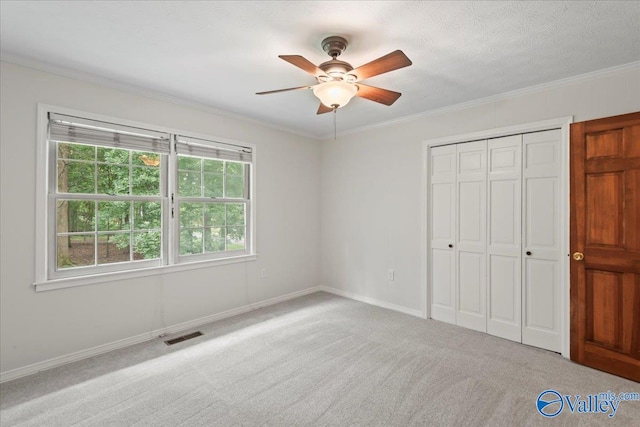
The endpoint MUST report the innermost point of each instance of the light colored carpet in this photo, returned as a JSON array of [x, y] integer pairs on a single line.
[[317, 360]]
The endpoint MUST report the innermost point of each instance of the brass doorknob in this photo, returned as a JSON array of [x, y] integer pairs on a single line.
[[578, 256]]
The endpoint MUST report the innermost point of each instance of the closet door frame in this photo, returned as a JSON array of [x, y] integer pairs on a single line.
[[561, 123]]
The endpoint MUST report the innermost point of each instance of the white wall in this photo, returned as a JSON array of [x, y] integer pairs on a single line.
[[371, 182], [36, 327]]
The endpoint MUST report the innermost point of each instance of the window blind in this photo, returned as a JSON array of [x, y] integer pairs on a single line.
[[83, 131], [189, 146]]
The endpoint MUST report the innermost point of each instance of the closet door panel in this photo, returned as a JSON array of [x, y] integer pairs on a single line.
[[542, 214], [542, 299], [471, 235], [471, 278], [443, 260], [442, 230], [503, 318], [504, 237], [442, 196], [542, 240], [504, 205]]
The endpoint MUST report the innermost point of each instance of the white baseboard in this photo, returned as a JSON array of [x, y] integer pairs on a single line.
[[105, 348], [373, 301]]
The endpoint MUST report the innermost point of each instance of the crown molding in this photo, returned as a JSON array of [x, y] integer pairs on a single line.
[[137, 90], [494, 98]]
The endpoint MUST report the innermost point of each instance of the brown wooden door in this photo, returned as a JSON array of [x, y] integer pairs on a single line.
[[605, 227]]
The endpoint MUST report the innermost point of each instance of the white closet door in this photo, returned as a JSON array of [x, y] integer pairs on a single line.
[[443, 214], [541, 246], [471, 235], [503, 237]]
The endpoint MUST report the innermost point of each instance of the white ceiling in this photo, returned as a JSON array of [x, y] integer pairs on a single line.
[[220, 53]]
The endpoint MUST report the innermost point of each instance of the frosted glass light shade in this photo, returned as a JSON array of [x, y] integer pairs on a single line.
[[335, 93]]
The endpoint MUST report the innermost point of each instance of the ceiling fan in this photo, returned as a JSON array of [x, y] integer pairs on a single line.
[[338, 81]]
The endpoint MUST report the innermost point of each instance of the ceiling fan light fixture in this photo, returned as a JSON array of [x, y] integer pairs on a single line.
[[338, 81], [335, 93]]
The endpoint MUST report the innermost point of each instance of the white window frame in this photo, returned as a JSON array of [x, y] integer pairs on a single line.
[[46, 278]]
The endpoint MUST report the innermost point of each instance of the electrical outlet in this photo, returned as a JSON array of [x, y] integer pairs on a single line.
[[391, 274], [263, 273]]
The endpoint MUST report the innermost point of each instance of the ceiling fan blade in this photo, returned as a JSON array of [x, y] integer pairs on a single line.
[[372, 93], [284, 90], [324, 109], [303, 64], [384, 64]]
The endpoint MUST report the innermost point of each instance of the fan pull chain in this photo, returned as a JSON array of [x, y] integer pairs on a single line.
[[335, 131]]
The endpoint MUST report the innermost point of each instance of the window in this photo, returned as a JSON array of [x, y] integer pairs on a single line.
[[213, 199], [123, 198]]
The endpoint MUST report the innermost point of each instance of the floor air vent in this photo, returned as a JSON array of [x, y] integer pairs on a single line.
[[183, 338]]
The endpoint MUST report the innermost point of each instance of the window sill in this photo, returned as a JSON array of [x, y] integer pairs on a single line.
[[69, 282]]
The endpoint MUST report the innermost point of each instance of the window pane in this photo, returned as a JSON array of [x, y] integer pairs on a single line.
[[235, 213], [76, 151], [235, 238], [140, 158], [189, 163], [214, 239], [212, 185], [147, 245], [214, 166], [189, 184], [76, 177], [113, 155], [235, 187], [191, 241], [190, 215], [75, 251], [145, 181], [113, 248], [234, 168], [147, 215], [114, 216], [113, 179], [75, 216], [214, 214]]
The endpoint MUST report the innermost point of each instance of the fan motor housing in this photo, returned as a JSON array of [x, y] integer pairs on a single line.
[[334, 68], [334, 45]]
